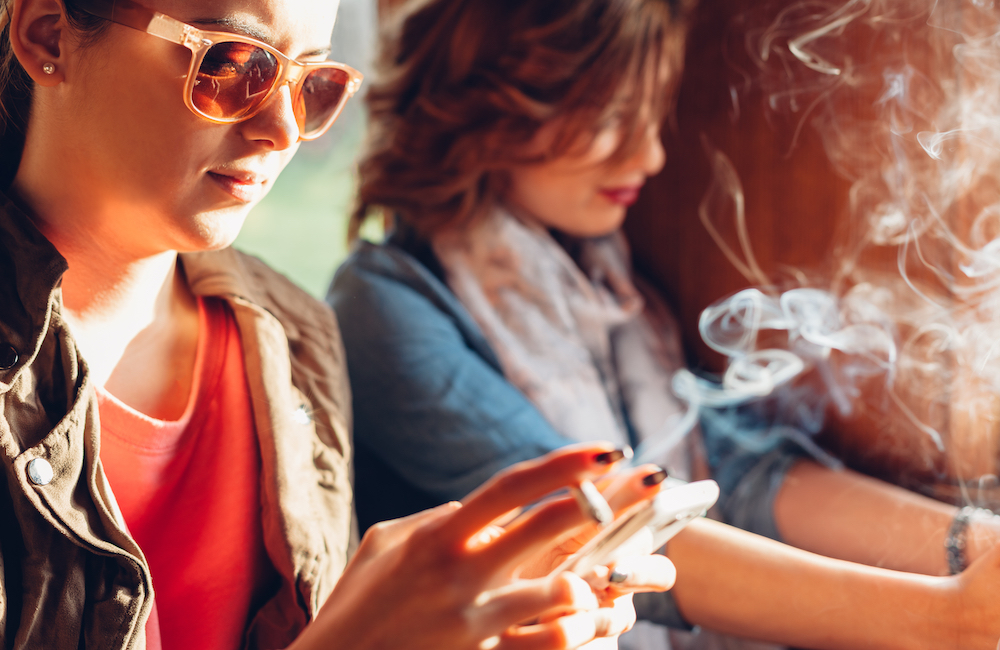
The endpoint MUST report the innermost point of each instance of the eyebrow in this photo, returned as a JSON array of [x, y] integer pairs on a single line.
[[247, 28]]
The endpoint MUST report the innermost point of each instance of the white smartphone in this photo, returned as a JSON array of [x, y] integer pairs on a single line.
[[664, 516]]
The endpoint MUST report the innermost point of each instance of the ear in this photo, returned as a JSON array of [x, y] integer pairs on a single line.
[[38, 37]]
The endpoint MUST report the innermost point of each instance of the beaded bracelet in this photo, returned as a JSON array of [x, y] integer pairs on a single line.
[[956, 541]]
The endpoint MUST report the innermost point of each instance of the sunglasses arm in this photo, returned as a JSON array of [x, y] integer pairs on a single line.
[[134, 15], [175, 31]]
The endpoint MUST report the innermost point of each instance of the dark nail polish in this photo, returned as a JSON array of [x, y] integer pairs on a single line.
[[609, 457], [655, 478]]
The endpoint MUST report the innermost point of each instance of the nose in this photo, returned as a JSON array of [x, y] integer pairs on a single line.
[[276, 123], [651, 154]]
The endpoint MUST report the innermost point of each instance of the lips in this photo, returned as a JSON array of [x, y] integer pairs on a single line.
[[244, 186], [624, 196]]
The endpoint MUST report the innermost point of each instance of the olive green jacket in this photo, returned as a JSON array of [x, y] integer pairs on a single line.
[[70, 575]]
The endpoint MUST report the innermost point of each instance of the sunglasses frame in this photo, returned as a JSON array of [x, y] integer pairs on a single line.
[[199, 41]]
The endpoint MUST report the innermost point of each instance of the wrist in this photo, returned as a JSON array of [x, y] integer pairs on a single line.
[[973, 531], [914, 612], [984, 534], [943, 616]]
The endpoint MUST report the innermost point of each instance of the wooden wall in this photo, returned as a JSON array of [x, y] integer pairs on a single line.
[[797, 211], [794, 198]]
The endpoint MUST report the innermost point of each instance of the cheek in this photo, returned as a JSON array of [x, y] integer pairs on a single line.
[[551, 198], [138, 76], [164, 166], [133, 111], [574, 206]]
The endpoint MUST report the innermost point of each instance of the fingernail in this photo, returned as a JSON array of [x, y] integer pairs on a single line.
[[609, 457], [655, 478]]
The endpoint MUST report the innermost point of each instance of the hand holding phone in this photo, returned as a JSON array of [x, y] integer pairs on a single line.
[[663, 516]]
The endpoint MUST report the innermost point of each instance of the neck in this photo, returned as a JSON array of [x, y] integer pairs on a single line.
[[114, 304], [125, 298], [98, 289], [134, 319], [137, 325]]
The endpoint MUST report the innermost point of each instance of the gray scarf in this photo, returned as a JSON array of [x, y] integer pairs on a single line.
[[579, 339]]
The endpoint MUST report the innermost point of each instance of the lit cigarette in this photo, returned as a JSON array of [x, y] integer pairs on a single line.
[[592, 503]]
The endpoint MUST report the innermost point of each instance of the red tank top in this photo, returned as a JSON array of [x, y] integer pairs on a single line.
[[190, 494]]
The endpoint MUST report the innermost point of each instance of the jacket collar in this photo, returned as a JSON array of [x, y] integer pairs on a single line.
[[30, 272], [230, 274], [219, 273]]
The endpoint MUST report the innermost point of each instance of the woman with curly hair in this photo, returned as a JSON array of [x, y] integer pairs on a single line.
[[501, 319]]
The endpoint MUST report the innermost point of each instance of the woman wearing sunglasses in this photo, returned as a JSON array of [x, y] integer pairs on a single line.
[[500, 320], [174, 426]]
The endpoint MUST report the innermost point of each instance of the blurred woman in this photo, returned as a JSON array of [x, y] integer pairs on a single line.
[[500, 320]]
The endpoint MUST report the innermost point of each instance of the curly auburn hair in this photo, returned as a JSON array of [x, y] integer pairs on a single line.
[[463, 86]]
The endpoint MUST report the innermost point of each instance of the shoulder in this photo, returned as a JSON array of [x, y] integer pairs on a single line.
[[312, 337], [382, 289], [278, 321], [399, 317], [386, 270], [241, 277]]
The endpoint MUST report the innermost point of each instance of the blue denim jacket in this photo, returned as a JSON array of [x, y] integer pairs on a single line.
[[434, 416]]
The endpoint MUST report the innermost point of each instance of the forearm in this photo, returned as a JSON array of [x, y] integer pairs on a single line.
[[750, 586], [854, 517]]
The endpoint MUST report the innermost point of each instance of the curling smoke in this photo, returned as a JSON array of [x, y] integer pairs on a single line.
[[905, 95]]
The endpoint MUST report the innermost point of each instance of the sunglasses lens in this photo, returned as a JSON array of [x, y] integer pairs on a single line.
[[323, 94], [233, 79]]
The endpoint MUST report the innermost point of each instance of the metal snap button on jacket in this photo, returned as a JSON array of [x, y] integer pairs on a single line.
[[39, 471], [8, 356]]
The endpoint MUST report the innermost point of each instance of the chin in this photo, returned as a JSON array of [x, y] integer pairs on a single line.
[[215, 231], [600, 224]]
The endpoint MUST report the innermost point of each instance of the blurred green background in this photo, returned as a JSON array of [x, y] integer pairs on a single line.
[[300, 228]]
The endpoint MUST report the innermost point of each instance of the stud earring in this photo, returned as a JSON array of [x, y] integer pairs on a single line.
[[49, 68]]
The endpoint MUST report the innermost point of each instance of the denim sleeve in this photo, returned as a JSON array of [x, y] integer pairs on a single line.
[[425, 403], [750, 458], [429, 400]]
